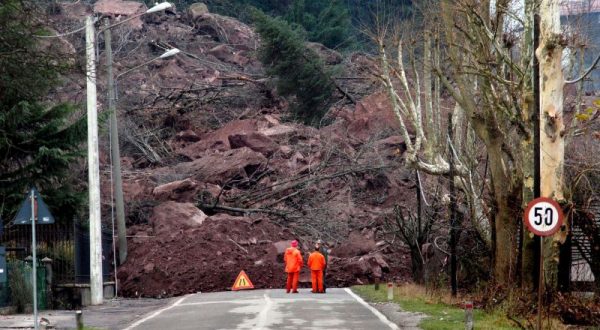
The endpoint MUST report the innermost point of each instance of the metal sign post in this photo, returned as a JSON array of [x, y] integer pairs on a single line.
[[34, 261], [543, 217], [33, 209], [541, 284]]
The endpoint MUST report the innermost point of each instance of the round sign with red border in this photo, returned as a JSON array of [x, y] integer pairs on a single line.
[[543, 216]]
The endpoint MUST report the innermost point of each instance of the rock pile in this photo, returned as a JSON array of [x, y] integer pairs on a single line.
[[216, 180]]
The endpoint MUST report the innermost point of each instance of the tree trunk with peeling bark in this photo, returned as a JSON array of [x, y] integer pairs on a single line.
[[552, 129], [416, 105], [527, 245], [491, 87]]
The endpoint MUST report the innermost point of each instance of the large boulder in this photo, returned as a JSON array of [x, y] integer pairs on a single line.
[[137, 188], [172, 217], [197, 9], [357, 244], [255, 141], [329, 56], [391, 147], [198, 149], [229, 54], [372, 115], [187, 136], [278, 131], [218, 168], [218, 140], [281, 246], [184, 190], [367, 267], [226, 30], [116, 8]]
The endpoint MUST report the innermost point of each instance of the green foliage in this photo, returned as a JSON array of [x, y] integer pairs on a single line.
[[38, 143], [300, 75], [439, 315], [326, 22], [335, 23], [20, 288]]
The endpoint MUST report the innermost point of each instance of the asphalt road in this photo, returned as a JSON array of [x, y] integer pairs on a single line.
[[266, 309]]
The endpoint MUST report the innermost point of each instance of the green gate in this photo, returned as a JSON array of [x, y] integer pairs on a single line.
[[17, 290]]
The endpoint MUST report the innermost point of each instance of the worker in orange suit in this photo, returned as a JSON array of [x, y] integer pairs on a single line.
[[316, 263], [293, 264]]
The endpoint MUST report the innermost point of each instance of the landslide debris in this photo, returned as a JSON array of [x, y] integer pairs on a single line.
[[217, 181]]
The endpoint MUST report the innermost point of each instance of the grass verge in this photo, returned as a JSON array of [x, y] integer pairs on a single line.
[[442, 312]]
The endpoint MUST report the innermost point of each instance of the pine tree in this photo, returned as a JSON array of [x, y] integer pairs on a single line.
[[300, 74], [38, 142], [326, 22], [333, 26]]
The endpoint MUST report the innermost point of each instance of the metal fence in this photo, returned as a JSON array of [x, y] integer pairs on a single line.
[[54, 241], [19, 285], [67, 246], [82, 255]]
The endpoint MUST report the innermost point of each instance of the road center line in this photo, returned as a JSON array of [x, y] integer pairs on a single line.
[[155, 314], [372, 309], [239, 302], [262, 317]]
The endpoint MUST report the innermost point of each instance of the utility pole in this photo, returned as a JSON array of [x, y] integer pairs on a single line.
[[96, 286], [114, 148]]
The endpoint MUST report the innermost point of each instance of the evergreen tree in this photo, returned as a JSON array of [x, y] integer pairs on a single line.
[[333, 26], [326, 22], [38, 143], [300, 74]]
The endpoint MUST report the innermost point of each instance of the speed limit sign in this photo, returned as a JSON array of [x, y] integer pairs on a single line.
[[543, 216]]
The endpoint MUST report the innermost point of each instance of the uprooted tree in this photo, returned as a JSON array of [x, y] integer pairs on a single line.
[[300, 75]]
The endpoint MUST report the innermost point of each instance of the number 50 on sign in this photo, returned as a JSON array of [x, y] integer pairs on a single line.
[[543, 216]]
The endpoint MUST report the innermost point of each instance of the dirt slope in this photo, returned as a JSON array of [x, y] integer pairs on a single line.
[[217, 181]]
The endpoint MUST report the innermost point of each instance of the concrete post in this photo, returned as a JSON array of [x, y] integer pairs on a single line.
[[114, 148], [93, 168], [48, 266], [469, 315], [79, 320]]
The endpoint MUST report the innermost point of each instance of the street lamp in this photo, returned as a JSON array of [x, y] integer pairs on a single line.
[[96, 286], [114, 141]]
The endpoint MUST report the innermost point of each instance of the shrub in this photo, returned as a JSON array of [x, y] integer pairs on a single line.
[[20, 288]]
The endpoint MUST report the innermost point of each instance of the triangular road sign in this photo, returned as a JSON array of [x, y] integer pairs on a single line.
[[242, 282], [43, 215]]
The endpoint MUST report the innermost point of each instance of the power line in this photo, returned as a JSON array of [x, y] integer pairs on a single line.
[[61, 35]]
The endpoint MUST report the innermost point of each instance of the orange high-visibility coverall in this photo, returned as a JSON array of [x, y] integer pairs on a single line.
[[293, 263], [316, 263]]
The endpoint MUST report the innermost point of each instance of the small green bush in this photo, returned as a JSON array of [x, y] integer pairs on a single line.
[[20, 288]]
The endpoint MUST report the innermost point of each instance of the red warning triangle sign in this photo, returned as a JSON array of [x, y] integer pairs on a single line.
[[242, 282]]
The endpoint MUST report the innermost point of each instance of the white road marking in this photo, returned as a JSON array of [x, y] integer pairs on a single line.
[[262, 317], [155, 314], [239, 302], [380, 316]]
